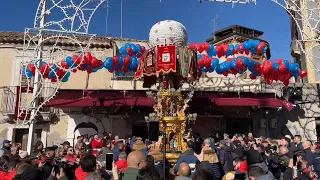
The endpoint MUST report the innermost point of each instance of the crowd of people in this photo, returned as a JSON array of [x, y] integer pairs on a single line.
[[240, 157]]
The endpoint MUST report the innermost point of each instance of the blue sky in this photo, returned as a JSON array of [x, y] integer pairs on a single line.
[[140, 15]]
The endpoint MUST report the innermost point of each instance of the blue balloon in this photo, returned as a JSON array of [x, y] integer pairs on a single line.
[[95, 69], [203, 69], [237, 46], [27, 73], [296, 74], [69, 61], [65, 79], [246, 45], [108, 63], [233, 63], [214, 52], [286, 62], [134, 48], [134, 62], [120, 60], [246, 61], [139, 48], [123, 51], [215, 62], [86, 66], [264, 49], [231, 49], [292, 68], [256, 74], [52, 75], [251, 64], [296, 65], [199, 56], [275, 66], [118, 73], [250, 44], [127, 45], [219, 69]]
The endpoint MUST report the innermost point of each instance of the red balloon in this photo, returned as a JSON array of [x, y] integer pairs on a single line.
[[247, 52], [266, 70], [257, 68], [64, 64], [219, 49], [282, 68], [206, 46], [192, 46], [32, 68], [260, 46], [94, 62], [143, 49], [89, 70], [45, 69], [53, 80], [129, 51], [225, 49], [279, 61], [286, 82], [239, 64], [225, 73], [241, 48], [126, 61], [303, 74], [76, 59], [200, 48], [115, 60], [74, 70], [234, 71], [235, 51], [207, 62], [269, 81], [252, 76], [88, 56], [201, 62]]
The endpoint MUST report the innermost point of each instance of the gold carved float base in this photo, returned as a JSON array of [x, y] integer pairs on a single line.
[[172, 157]]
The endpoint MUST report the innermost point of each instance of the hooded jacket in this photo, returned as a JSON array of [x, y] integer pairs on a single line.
[[264, 167]]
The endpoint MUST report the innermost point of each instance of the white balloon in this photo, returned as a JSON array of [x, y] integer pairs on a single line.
[[168, 32]]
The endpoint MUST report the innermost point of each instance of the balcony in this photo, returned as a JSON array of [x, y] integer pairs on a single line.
[[11, 108]]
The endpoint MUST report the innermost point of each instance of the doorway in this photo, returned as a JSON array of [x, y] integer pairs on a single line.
[[238, 126], [140, 130], [21, 136]]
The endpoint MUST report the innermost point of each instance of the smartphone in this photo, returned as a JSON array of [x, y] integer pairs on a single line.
[[109, 160]]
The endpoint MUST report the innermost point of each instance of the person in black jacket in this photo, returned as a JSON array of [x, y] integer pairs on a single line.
[[225, 157], [307, 148]]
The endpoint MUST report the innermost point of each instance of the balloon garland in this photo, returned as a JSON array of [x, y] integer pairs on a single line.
[[128, 61], [208, 61]]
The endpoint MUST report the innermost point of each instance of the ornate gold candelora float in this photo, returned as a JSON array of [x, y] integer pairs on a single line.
[[166, 66], [170, 109]]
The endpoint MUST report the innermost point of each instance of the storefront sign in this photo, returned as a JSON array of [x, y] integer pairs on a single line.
[[166, 59]]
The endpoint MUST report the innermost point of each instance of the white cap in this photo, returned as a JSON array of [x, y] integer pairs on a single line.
[[288, 136]]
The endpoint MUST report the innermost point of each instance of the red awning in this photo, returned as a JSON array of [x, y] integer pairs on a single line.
[[79, 98]]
